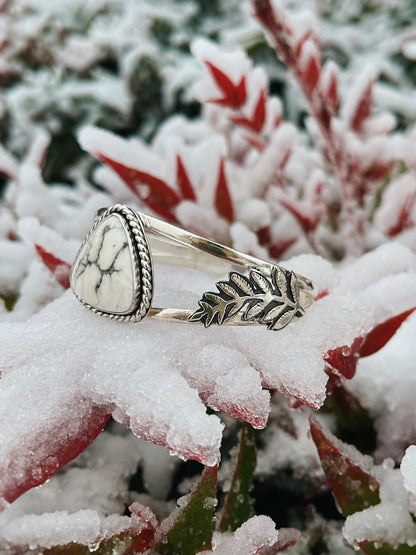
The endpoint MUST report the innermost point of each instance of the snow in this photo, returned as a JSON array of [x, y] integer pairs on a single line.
[[356, 92], [234, 62], [245, 240], [399, 195], [32, 232], [61, 365], [257, 532], [254, 213], [408, 470], [389, 395], [81, 504], [285, 440], [138, 374], [409, 49], [13, 264], [390, 521]]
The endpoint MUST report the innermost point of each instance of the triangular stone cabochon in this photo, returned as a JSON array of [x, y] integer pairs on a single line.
[[104, 272]]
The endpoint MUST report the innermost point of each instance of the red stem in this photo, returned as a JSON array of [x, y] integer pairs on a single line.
[[351, 217]]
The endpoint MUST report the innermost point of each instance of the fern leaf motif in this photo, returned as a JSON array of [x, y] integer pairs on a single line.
[[272, 301]]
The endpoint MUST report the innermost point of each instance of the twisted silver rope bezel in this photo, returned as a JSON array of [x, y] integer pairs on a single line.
[[143, 278]]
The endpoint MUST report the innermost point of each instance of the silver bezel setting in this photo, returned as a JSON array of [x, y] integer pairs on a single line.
[[140, 253]]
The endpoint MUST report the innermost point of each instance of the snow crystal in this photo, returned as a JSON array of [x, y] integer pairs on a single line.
[[82, 527], [245, 240], [158, 467], [388, 395], [8, 163], [257, 532], [132, 153], [32, 232], [390, 521], [409, 49], [285, 440], [97, 479], [282, 143], [14, 257], [399, 101], [408, 470], [234, 63], [254, 213], [37, 289], [203, 221], [79, 53], [398, 196], [355, 93], [89, 360]]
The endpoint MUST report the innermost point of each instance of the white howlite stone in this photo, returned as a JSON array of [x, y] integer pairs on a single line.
[[104, 271]]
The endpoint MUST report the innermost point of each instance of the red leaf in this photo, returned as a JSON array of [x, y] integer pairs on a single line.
[[183, 181], [258, 117], [242, 121], [234, 95], [148, 533], [332, 97], [378, 170], [223, 201], [404, 220], [152, 191], [58, 267], [255, 142], [345, 358], [58, 453], [353, 486], [321, 294], [307, 223], [277, 249], [382, 333], [301, 42], [311, 74], [363, 108], [287, 538], [263, 235]]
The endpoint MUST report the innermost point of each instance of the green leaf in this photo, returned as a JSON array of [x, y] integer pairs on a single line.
[[353, 423], [188, 529], [9, 301], [347, 471], [118, 545], [137, 537], [385, 549], [237, 506]]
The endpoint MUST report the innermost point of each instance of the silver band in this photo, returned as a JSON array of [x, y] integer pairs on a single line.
[[113, 275]]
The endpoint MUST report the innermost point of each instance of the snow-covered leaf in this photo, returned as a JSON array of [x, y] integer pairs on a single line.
[[188, 530], [237, 504], [348, 473]]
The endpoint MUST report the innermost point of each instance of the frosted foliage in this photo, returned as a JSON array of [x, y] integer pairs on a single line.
[[399, 196], [390, 395], [85, 527], [235, 62], [137, 373], [285, 440], [257, 532], [91, 488], [158, 467], [390, 521], [13, 264]]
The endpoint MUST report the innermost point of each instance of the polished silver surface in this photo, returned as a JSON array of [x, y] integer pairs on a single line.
[[268, 294]]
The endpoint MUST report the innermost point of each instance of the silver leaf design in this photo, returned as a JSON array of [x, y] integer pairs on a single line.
[[272, 301]]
